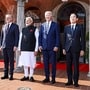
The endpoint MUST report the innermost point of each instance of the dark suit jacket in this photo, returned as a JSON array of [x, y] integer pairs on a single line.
[[53, 37], [12, 36], [76, 40]]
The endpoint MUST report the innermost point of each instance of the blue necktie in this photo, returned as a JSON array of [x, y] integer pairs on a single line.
[[46, 30], [45, 34], [47, 27]]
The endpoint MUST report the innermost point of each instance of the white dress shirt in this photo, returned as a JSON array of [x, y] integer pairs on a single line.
[[73, 25]]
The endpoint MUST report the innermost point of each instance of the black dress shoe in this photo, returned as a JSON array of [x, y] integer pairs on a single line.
[[76, 85], [4, 77], [24, 78], [53, 81], [11, 78], [69, 83], [32, 79], [46, 81]]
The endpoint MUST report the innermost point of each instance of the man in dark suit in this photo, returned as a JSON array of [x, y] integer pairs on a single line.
[[74, 46], [9, 43], [49, 41]]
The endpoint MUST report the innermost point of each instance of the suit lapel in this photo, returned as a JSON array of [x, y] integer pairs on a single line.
[[10, 26], [72, 33], [76, 27], [51, 27], [70, 29]]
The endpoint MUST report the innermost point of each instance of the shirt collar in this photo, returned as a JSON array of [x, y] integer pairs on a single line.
[[10, 24], [73, 24], [49, 23]]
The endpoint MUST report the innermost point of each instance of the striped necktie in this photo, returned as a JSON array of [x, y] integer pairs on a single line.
[[7, 29], [47, 27]]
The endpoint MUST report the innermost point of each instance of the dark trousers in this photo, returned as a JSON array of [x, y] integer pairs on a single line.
[[49, 57], [8, 61], [72, 58]]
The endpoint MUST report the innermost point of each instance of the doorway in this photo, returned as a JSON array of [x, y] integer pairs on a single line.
[[63, 19], [1, 24]]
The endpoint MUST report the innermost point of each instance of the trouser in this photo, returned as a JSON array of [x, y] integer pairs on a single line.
[[72, 58], [49, 56], [26, 71], [8, 61]]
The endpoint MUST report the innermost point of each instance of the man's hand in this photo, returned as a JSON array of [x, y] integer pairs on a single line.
[[0, 48], [35, 53], [81, 53], [14, 49], [64, 52], [40, 48], [19, 52], [55, 49]]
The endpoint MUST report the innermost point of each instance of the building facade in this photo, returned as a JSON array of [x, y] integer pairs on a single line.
[[60, 8]]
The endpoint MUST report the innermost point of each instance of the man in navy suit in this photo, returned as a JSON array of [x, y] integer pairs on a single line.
[[74, 46], [49, 41], [9, 43]]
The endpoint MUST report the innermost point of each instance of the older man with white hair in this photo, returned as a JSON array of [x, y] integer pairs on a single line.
[[49, 41], [9, 44], [29, 48]]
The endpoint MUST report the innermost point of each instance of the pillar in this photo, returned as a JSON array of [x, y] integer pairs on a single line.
[[89, 43], [20, 22]]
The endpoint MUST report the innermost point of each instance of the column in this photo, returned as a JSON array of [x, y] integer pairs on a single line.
[[20, 22], [89, 43]]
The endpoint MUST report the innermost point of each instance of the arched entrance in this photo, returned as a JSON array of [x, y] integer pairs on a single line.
[[1, 23], [35, 13], [63, 19], [1, 19]]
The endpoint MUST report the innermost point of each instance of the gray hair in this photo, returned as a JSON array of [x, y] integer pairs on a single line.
[[48, 12]]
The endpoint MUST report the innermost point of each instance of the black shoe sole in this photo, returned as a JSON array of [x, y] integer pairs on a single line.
[[68, 84], [4, 77]]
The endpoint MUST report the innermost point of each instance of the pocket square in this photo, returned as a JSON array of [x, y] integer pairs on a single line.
[[31, 30], [69, 36]]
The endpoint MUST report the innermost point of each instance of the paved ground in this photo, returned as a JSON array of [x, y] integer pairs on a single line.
[[38, 85]]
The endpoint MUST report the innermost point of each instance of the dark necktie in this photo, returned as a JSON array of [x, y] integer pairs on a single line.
[[7, 29], [72, 29]]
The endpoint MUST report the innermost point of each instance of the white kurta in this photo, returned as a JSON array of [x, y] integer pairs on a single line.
[[27, 58]]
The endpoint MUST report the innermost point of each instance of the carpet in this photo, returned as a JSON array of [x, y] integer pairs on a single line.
[[60, 66]]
